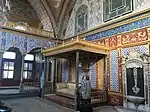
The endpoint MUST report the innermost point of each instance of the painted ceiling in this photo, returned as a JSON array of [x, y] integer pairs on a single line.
[[50, 14]]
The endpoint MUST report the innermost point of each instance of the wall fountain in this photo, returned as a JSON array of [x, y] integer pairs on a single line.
[[135, 81]]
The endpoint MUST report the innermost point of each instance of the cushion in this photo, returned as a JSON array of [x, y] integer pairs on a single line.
[[61, 85], [71, 85]]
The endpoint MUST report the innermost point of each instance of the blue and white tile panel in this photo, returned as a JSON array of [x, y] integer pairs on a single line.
[[143, 49], [23, 43], [93, 74], [114, 81], [121, 29], [65, 70]]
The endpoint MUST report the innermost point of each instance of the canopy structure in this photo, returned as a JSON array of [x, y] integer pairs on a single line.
[[77, 50], [67, 50]]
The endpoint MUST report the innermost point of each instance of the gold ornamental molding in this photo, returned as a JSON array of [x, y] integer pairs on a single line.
[[28, 31], [115, 93], [74, 45]]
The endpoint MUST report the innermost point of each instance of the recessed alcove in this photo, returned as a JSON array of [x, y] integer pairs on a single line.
[[135, 77]]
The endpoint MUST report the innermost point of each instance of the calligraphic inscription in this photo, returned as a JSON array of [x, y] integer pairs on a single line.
[[123, 39], [137, 36], [119, 40], [134, 63], [107, 42], [101, 41], [113, 41]]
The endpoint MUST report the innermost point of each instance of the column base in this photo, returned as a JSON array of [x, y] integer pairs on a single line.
[[21, 88]]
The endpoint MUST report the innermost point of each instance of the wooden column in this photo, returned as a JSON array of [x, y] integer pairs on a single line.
[[54, 68], [106, 77], [77, 79]]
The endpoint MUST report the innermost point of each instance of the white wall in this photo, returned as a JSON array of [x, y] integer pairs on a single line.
[[141, 5], [95, 8], [95, 13]]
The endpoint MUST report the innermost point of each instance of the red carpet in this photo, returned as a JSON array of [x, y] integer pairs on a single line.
[[67, 102]]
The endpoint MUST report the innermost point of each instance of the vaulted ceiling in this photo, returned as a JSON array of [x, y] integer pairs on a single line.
[[56, 7], [58, 11], [50, 13]]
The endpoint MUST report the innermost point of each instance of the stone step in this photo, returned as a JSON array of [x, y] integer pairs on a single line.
[[18, 95]]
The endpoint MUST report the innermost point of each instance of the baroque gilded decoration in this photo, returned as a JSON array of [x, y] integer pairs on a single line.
[[22, 9], [42, 14], [27, 29]]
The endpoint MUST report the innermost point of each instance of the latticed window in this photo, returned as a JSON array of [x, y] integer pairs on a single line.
[[81, 19], [28, 66], [8, 65]]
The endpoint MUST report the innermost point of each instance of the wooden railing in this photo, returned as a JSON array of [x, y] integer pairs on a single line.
[[31, 86], [49, 88]]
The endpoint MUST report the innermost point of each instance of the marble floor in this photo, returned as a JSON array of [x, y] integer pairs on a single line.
[[14, 89], [9, 91], [36, 104], [39, 105]]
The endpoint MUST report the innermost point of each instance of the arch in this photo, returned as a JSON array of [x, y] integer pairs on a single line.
[[36, 50], [14, 49], [42, 14], [11, 68], [81, 19]]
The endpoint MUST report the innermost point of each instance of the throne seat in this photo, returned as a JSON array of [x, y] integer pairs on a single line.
[[66, 89]]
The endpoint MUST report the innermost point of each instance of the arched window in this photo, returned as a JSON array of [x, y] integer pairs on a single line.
[[81, 19], [8, 65], [28, 66]]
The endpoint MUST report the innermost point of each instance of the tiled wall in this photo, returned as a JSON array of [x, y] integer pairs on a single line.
[[23, 43], [143, 49], [114, 83], [95, 18], [93, 74], [65, 70]]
